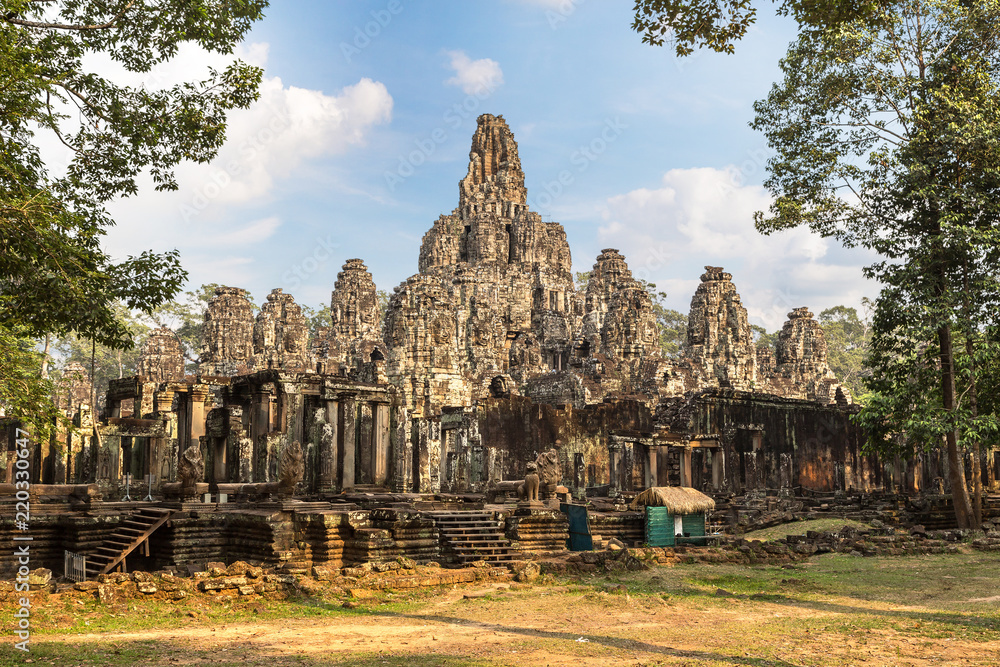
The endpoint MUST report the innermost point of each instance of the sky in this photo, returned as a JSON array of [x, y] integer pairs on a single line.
[[365, 119]]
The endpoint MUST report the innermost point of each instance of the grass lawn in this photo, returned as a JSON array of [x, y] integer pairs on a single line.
[[831, 610]]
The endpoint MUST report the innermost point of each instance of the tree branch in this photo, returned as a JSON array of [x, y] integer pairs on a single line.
[[67, 26]]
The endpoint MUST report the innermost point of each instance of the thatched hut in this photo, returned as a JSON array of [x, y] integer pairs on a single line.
[[674, 515]]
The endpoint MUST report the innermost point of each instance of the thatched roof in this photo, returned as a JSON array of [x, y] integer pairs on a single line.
[[677, 499]]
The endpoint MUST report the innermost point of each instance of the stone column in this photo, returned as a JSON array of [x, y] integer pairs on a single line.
[[614, 466], [163, 402], [366, 433], [380, 444], [718, 468], [651, 477], [686, 466], [260, 426], [401, 445], [348, 442], [328, 446], [197, 423]]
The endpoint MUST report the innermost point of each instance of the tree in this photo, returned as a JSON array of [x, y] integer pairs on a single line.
[[54, 276], [22, 391], [186, 317], [671, 325], [719, 24], [108, 362], [847, 337], [316, 317], [763, 339], [886, 137]]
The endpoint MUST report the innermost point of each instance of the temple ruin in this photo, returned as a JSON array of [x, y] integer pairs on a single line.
[[484, 360]]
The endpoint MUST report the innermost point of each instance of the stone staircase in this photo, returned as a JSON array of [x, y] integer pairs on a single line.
[[471, 536], [131, 534]]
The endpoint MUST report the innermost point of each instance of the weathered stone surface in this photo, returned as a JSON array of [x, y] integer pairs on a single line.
[[73, 388], [719, 340], [161, 358], [354, 337], [281, 335], [801, 369], [494, 295], [227, 337], [495, 182]]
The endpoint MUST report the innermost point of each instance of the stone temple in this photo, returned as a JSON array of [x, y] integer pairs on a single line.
[[486, 360]]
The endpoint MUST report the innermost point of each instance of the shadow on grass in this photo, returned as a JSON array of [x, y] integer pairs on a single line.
[[610, 642], [970, 621]]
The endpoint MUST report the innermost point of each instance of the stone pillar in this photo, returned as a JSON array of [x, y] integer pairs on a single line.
[[163, 401], [380, 444], [348, 441], [260, 426], [435, 468], [401, 446], [328, 441], [366, 431], [686, 466], [627, 482], [614, 466], [197, 423], [651, 478], [718, 469], [989, 459]]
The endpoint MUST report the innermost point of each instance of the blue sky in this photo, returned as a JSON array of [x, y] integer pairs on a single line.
[[363, 128]]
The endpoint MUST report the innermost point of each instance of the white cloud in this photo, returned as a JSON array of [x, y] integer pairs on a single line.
[[704, 216], [474, 76], [255, 232], [274, 142]]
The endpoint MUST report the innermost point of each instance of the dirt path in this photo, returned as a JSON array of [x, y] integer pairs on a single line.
[[551, 626]]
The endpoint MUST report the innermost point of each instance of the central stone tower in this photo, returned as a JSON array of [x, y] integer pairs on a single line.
[[494, 293]]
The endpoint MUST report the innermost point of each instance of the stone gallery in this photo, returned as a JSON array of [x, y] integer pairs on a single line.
[[488, 369]]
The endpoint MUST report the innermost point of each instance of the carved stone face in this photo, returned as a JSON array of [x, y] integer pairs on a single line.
[[442, 330]]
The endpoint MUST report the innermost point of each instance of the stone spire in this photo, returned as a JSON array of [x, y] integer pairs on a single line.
[[281, 335], [801, 369], [161, 358], [609, 275], [801, 347], [356, 319], [719, 338], [354, 307], [495, 182], [227, 336], [74, 388]]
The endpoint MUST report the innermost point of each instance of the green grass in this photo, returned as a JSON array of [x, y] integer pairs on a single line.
[[71, 616], [764, 615], [800, 528], [945, 584]]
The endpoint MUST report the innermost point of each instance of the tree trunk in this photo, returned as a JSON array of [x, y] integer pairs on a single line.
[[977, 475], [956, 467], [45, 357]]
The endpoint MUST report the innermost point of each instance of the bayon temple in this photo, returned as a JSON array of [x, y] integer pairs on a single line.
[[487, 365]]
